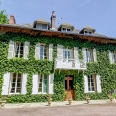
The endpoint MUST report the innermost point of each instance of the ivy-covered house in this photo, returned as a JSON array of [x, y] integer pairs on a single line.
[[41, 59]]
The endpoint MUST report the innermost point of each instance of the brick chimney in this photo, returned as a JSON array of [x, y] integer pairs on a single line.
[[12, 20], [53, 20]]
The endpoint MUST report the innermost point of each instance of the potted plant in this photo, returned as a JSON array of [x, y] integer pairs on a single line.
[[3, 101], [110, 97], [49, 99], [70, 100], [87, 98]]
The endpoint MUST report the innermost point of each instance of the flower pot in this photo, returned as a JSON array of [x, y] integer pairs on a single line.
[[2, 103]]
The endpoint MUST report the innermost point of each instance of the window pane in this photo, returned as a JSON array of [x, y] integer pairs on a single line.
[[65, 84], [18, 90], [70, 84], [44, 26], [45, 84]]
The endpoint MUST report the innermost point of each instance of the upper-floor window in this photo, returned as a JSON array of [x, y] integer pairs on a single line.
[[66, 30], [67, 53], [89, 55], [87, 32], [91, 83], [42, 83], [42, 26], [113, 57], [44, 51], [19, 47], [15, 83]]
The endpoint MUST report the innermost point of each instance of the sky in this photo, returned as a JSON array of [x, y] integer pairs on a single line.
[[98, 14]]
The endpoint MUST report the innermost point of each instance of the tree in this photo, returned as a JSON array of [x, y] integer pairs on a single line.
[[3, 17]]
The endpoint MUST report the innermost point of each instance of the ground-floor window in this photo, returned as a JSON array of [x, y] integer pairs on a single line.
[[15, 83], [92, 83], [42, 83]]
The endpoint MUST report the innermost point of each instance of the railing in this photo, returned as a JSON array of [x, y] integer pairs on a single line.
[[70, 64]]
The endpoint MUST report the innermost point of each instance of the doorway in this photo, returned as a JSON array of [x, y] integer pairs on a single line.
[[69, 89]]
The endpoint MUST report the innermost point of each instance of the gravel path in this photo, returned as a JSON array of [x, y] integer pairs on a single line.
[[80, 110]]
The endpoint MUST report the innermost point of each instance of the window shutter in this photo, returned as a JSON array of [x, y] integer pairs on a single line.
[[50, 51], [110, 57], [6, 84], [51, 81], [85, 84], [84, 54], [98, 83], [37, 51], [94, 55], [26, 50], [75, 53], [24, 82], [60, 51], [11, 49], [35, 84]]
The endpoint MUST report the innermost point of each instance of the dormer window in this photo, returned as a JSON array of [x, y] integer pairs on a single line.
[[42, 26], [88, 32], [66, 30]]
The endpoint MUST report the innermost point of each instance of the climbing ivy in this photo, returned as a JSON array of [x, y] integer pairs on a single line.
[[32, 66]]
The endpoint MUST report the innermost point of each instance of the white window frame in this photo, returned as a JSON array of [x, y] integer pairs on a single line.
[[10, 84], [47, 52], [90, 83], [91, 57], [88, 32], [113, 57], [41, 25], [42, 84], [68, 50], [18, 50], [66, 29]]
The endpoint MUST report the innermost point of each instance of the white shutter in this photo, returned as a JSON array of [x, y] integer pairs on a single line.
[[11, 49], [35, 84], [75, 53], [85, 84], [50, 83], [98, 83], [24, 82], [37, 51], [110, 57], [5, 86], [84, 54], [60, 51], [26, 50], [94, 55], [50, 51]]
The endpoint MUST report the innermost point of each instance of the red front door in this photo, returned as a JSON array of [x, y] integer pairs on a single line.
[[69, 90]]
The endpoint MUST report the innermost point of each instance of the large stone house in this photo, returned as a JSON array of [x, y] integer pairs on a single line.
[[41, 58]]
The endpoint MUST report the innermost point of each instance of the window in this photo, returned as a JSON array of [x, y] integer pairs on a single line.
[[42, 26], [89, 55], [67, 53], [42, 83], [44, 51], [15, 83], [87, 32], [19, 49], [91, 83], [66, 30], [113, 57]]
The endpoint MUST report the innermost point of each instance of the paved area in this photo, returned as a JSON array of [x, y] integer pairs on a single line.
[[80, 108]]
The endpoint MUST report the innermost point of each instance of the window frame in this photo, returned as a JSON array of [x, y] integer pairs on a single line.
[[41, 25], [91, 57], [19, 50], [11, 81], [43, 77], [43, 54], [113, 57], [66, 29], [90, 83], [68, 50]]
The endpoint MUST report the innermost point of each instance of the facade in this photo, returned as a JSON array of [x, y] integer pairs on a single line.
[[42, 59]]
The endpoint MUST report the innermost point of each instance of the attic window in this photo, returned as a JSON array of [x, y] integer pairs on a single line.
[[66, 30], [87, 32], [42, 26]]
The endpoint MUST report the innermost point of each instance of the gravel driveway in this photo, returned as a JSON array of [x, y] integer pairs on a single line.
[[80, 110]]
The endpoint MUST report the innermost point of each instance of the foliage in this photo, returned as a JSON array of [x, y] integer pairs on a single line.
[[3, 17], [80, 54], [31, 66]]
